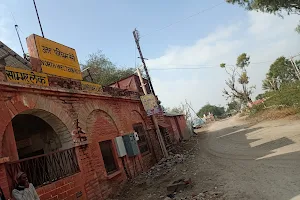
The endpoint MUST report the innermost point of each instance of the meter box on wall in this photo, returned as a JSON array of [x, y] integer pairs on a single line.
[[120, 146], [131, 145]]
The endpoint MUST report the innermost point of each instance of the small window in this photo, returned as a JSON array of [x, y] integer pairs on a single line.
[[143, 142], [108, 157]]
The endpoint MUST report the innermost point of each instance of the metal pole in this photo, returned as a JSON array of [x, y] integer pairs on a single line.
[[90, 75], [295, 67], [160, 138], [136, 38], [37, 14], [16, 26]]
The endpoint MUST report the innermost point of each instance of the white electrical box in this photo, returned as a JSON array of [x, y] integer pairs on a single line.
[[120, 146], [136, 136]]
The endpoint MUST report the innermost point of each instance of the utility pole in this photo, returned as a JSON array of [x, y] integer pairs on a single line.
[[137, 41], [160, 138], [24, 55], [37, 14], [295, 67]]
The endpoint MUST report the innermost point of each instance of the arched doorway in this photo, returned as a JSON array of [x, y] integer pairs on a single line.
[[43, 147], [34, 136], [39, 132]]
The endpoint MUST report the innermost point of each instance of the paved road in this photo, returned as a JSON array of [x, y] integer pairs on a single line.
[[259, 161]]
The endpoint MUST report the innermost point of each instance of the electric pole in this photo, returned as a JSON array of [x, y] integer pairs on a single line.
[[37, 14], [16, 27], [160, 138], [295, 67], [137, 41]]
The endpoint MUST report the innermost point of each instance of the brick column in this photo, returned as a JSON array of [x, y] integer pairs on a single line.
[[3, 178], [88, 173], [9, 147]]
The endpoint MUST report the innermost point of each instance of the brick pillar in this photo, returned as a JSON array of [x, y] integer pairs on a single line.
[[89, 175], [9, 147], [3, 178], [156, 146], [34, 55]]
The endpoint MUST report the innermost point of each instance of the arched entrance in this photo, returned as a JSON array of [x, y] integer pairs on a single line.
[[39, 132], [34, 136], [42, 148]]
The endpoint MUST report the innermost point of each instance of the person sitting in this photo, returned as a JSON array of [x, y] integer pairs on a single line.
[[24, 190]]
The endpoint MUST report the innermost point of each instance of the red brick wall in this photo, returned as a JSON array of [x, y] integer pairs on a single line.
[[67, 188], [183, 126], [174, 130], [101, 117]]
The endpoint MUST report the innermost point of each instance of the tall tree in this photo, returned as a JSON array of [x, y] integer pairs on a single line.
[[103, 71], [281, 71], [215, 110], [239, 71], [271, 6]]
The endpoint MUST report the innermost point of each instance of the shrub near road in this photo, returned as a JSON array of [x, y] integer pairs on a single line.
[[286, 98]]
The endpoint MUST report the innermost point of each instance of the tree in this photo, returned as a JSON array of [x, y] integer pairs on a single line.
[[281, 71], [271, 6], [259, 96], [215, 110], [175, 110], [243, 92], [233, 106], [103, 71]]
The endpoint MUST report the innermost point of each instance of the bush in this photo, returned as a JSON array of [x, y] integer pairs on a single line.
[[288, 96]]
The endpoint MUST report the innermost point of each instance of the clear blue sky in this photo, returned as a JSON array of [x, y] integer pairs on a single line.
[[210, 38], [93, 25]]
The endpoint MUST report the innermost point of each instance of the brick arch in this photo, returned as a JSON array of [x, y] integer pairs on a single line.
[[88, 108], [137, 117], [25, 103], [92, 121], [58, 126], [44, 108]]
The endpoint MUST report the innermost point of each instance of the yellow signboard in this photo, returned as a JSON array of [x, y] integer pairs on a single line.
[[91, 87], [17, 75], [150, 104], [57, 59]]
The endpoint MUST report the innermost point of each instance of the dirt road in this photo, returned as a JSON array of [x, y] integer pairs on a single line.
[[233, 159], [256, 162]]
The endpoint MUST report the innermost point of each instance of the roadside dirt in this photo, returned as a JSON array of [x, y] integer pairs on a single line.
[[231, 159]]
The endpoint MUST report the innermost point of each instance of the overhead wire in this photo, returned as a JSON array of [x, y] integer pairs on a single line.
[[205, 66], [186, 18]]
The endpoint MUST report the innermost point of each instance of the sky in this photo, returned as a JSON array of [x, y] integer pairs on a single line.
[[169, 39]]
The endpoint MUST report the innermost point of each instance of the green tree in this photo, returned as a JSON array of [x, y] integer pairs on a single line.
[[233, 106], [215, 110], [260, 96], [103, 71], [242, 91], [281, 71], [271, 6]]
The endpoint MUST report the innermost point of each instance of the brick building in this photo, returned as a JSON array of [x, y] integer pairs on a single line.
[[131, 83], [178, 127], [63, 136]]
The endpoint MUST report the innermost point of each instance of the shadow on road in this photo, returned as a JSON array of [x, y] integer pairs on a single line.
[[272, 154]]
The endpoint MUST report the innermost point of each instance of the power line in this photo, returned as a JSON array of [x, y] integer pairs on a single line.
[[19, 28], [186, 18], [208, 66], [200, 66]]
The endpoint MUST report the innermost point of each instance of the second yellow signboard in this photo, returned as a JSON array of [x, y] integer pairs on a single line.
[[91, 87], [57, 59]]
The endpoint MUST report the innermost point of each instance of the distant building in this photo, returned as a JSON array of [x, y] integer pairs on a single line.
[[178, 126], [131, 83]]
